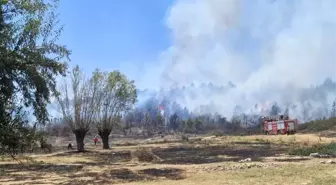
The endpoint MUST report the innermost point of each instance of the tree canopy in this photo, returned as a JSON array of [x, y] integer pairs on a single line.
[[30, 60], [100, 100]]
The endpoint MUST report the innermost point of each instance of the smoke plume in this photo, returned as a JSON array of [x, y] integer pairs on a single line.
[[272, 50]]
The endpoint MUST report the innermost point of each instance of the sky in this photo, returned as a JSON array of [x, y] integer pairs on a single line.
[[118, 34], [262, 46]]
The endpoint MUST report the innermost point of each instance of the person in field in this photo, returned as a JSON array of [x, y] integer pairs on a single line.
[[95, 140], [70, 146]]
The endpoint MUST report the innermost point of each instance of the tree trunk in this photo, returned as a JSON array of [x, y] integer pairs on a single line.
[[104, 134], [80, 135]]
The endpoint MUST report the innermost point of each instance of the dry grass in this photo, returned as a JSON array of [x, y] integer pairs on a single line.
[[203, 160]]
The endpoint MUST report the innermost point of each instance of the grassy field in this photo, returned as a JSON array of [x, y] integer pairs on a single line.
[[202, 160]]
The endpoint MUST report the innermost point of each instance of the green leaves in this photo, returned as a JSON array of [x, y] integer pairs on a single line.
[[3, 2], [118, 96], [30, 58]]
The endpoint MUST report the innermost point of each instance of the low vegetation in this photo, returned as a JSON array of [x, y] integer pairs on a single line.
[[318, 125], [327, 149]]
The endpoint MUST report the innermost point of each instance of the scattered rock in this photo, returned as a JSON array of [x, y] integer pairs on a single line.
[[237, 167], [245, 160], [314, 154], [320, 155]]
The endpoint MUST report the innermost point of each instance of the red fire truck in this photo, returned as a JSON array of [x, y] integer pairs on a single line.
[[279, 125]]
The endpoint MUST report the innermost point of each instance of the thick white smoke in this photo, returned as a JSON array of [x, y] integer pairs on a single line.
[[270, 49]]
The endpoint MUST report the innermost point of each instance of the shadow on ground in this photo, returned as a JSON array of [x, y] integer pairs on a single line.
[[125, 175], [251, 143], [100, 158], [46, 168], [167, 173], [212, 154], [188, 154], [34, 172], [74, 175], [291, 159], [329, 134]]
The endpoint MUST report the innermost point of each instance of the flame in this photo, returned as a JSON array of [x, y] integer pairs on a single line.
[[263, 106]]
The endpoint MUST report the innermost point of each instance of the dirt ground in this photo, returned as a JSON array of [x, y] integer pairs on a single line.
[[168, 161]]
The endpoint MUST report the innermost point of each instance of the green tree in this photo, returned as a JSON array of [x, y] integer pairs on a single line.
[[29, 62], [174, 122], [78, 104], [117, 96], [235, 123], [333, 109], [187, 126], [145, 123], [159, 123], [198, 125]]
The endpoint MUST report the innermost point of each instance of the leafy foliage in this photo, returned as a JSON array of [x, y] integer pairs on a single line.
[[29, 62], [329, 149], [318, 125], [117, 96], [100, 100]]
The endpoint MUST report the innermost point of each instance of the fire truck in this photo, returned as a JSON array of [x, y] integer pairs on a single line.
[[279, 125]]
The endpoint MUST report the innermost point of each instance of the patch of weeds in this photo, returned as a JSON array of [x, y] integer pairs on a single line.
[[126, 144], [145, 155], [317, 126], [306, 143], [2, 172], [328, 149], [197, 139], [185, 138], [218, 134], [31, 160], [260, 140]]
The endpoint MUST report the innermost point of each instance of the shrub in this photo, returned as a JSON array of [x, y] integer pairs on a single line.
[[218, 134], [317, 126], [185, 138], [261, 140], [329, 149]]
